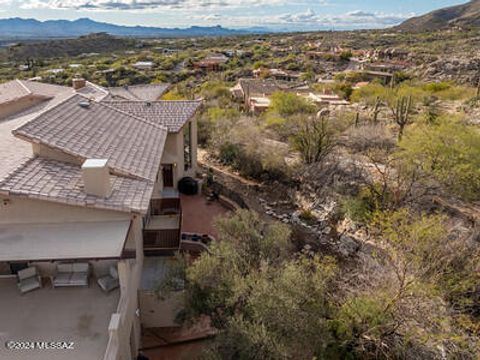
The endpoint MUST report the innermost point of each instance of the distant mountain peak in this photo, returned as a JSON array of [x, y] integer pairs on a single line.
[[14, 28]]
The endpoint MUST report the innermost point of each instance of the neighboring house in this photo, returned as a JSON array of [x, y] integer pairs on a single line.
[[259, 104], [331, 100], [150, 92], [385, 66], [87, 180], [382, 76], [277, 74], [255, 93], [144, 65], [56, 71], [211, 63]]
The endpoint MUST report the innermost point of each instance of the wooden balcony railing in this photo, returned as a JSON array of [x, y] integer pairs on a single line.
[[161, 239], [163, 230]]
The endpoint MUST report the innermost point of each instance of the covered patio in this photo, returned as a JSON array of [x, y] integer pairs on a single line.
[[79, 314], [74, 311]]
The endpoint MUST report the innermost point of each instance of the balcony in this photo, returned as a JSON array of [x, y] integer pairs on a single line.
[[161, 234], [167, 206]]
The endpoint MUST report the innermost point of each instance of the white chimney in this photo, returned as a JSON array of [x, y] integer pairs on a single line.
[[96, 177]]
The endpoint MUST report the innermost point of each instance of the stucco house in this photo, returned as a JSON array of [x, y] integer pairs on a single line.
[[255, 93], [88, 179]]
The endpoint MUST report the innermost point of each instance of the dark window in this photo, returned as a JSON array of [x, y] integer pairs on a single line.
[[167, 173]]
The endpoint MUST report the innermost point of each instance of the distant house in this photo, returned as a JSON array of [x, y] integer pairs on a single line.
[[235, 52], [277, 74], [148, 92], [167, 51], [331, 100], [385, 66], [211, 63], [391, 54], [384, 77], [144, 65], [255, 93], [55, 71], [258, 105]]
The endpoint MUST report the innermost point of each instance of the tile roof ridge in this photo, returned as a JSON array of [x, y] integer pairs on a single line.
[[30, 92], [139, 85], [101, 88], [14, 131], [103, 103]]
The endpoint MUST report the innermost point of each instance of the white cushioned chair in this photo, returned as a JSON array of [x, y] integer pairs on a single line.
[[28, 279], [110, 281]]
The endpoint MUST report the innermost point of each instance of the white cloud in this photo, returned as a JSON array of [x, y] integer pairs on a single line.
[[207, 18], [142, 4], [354, 19]]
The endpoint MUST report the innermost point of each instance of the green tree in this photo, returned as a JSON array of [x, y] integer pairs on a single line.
[[448, 153], [288, 104]]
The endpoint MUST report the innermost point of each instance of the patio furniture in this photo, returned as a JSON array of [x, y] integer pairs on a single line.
[[110, 281], [28, 279], [74, 274]]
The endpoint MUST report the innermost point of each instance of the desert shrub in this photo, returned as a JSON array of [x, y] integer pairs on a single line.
[[214, 125], [367, 136], [344, 89], [288, 104], [369, 93], [314, 138], [261, 161], [359, 208], [346, 55], [229, 153], [173, 95], [449, 91], [214, 90], [246, 150], [446, 152]]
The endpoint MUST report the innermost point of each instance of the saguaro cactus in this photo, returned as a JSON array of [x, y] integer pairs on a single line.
[[376, 110], [402, 113]]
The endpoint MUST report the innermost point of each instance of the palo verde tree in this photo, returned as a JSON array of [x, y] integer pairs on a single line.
[[448, 153]]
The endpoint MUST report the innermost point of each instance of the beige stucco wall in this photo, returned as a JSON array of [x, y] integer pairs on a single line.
[[49, 153], [173, 152], [7, 109], [17, 210]]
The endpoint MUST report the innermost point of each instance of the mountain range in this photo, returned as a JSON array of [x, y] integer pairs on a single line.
[[17, 28], [466, 15]]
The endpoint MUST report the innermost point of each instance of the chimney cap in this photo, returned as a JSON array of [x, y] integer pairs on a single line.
[[94, 163]]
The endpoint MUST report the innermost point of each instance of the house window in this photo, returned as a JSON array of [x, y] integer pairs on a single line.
[[187, 146]]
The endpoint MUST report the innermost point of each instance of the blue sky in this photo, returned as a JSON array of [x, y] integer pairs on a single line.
[[280, 14]]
